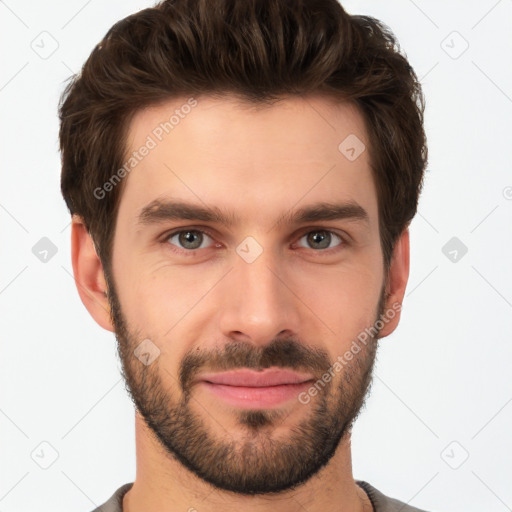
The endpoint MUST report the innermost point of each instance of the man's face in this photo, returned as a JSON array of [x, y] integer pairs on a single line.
[[254, 294]]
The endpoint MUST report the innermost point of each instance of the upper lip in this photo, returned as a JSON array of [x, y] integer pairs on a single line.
[[251, 378]]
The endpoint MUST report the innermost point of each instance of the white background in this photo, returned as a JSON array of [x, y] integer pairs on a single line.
[[442, 388]]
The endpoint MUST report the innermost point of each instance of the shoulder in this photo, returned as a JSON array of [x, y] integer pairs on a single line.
[[383, 503], [115, 502]]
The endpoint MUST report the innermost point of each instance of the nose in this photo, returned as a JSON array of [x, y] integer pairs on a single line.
[[257, 302]]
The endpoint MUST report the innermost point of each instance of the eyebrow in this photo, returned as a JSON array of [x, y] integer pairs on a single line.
[[163, 210]]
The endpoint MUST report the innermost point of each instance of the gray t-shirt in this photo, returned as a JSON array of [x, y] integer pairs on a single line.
[[380, 502]]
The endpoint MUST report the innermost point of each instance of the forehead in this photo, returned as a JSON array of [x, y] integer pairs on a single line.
[[258, 160]]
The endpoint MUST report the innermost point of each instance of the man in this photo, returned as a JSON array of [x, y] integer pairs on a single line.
[[241, 178]]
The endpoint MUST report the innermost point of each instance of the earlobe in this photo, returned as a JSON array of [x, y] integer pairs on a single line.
[[89, 276], [397, 282]]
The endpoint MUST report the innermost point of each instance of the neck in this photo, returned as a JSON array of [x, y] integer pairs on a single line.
[[163, 484]]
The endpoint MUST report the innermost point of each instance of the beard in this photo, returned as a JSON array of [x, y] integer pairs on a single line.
[[252, 460]]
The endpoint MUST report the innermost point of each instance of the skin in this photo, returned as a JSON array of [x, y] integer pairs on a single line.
[[257, 164]]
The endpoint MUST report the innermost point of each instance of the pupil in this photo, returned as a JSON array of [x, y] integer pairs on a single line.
[[187, 240], [321, 237]]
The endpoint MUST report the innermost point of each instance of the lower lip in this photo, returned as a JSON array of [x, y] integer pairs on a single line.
[[252, 397]]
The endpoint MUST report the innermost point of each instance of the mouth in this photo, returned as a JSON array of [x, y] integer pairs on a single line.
[[251, 378], [249, 389]]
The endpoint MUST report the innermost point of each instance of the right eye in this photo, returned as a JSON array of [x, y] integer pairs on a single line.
[[188, 240]]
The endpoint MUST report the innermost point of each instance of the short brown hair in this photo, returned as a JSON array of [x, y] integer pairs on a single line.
[[257, 50]]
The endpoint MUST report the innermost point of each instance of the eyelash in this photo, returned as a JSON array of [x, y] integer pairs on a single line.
[[192, 252]]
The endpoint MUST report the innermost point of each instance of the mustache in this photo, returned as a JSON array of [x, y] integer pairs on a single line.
[[281, 353]]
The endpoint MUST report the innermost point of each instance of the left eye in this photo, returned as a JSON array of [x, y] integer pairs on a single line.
[[321, 239]]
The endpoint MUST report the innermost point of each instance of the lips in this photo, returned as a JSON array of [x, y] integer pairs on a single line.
[[249, 389], [251, 378]]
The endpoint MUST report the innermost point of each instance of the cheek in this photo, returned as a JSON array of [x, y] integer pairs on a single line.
[[344, 299], [157, 298]]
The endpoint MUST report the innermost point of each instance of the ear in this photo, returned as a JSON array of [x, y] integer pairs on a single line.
[[88, 271], [396, 283]]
